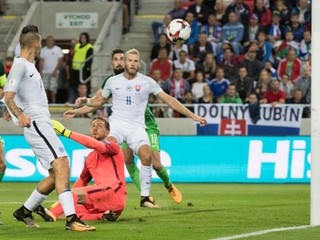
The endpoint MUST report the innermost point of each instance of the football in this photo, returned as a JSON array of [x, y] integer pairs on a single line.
[[178, 31]]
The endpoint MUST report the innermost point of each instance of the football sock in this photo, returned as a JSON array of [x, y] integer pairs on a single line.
[[134, 174], [145, 180], [163, 174], [1, 176], [68, 201], [34, 200]]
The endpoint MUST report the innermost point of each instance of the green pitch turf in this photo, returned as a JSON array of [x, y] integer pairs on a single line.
[[208, 211]]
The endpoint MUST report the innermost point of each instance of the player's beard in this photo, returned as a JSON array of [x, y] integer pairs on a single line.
[[131, 72], [118, 70]]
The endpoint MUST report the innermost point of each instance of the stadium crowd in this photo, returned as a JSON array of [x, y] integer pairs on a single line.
[[236, 49]]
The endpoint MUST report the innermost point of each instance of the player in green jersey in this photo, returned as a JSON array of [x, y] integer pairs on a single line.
[[117, 62]]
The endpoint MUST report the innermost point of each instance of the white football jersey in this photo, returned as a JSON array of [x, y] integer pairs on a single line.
[[130, 97], [25, 80]]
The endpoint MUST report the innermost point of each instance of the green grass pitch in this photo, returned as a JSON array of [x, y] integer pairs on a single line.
[[208, 211]]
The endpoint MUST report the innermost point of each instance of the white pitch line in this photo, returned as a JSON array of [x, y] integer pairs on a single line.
[[262, 232]]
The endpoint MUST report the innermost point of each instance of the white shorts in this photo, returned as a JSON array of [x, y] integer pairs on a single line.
[[134, 136], [44, 142], [50, 83]]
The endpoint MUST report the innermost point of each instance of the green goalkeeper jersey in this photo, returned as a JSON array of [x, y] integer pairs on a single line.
[[148, 116]]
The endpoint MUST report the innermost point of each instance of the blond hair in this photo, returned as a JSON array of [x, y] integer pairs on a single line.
[[133, 51]]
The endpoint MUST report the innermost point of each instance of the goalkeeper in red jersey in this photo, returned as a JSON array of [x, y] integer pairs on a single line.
[[105, 165]]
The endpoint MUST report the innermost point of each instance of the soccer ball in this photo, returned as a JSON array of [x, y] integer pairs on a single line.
[[178, 31]]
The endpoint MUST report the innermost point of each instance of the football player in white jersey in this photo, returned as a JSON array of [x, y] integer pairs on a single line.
[[130, 92], [26, 99]]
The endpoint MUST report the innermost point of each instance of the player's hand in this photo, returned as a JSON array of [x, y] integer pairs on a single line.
[[69, 114], [60, 129], [6, 116], [81, 101], [201, 120], [24, 120]]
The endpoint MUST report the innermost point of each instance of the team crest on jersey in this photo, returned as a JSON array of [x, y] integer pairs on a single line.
[[129, 88], [138, 88]]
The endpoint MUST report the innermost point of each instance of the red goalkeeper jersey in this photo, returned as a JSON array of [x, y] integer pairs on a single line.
[[105, 165]]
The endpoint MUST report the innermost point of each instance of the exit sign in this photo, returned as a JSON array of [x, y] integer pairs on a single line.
[[76, 20]]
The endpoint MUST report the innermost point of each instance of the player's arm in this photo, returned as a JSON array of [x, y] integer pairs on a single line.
[[84, 179], [83, 110], [106, 147], [15, 77], [176, 105]]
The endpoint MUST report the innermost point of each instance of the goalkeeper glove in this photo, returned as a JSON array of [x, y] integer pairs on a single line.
[[60, 129]]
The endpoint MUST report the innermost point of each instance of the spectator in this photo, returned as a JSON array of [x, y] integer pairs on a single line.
[[231, 95], [213, 32], [286, 86], [243, 84], [195, 29], [274, 95], [219, 85], [284, 11], [252, 64], [252, 99], [188, 67], [165, 85], [200, 11], [220, 10], [51, 59], [178, 11], [241, 10], [291, 66], [209, 66], [200, 49], [297, 97], [289, 42], [266, 48], [207, 97], [83, 92], [197, 87], [305, 46], [275, 30], [8, 64], [161, 111], [125, 16], [163, 63], [263, 13], [254, 107], [304, 84], [265, 78], [295, 26], [304, 12], [163, 43], [158, 27], [187, 99], [251, 31], [232, 32], [175, 50], [230, 65], [274, 74], [82, 51], [178, 86]]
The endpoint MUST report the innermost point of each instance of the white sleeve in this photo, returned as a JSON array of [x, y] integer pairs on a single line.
[[106, 91], [16, 75], [154, 87]]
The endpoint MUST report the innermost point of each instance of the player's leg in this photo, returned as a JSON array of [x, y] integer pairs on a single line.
[[159, 168], [52, 155], [130, 165]]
